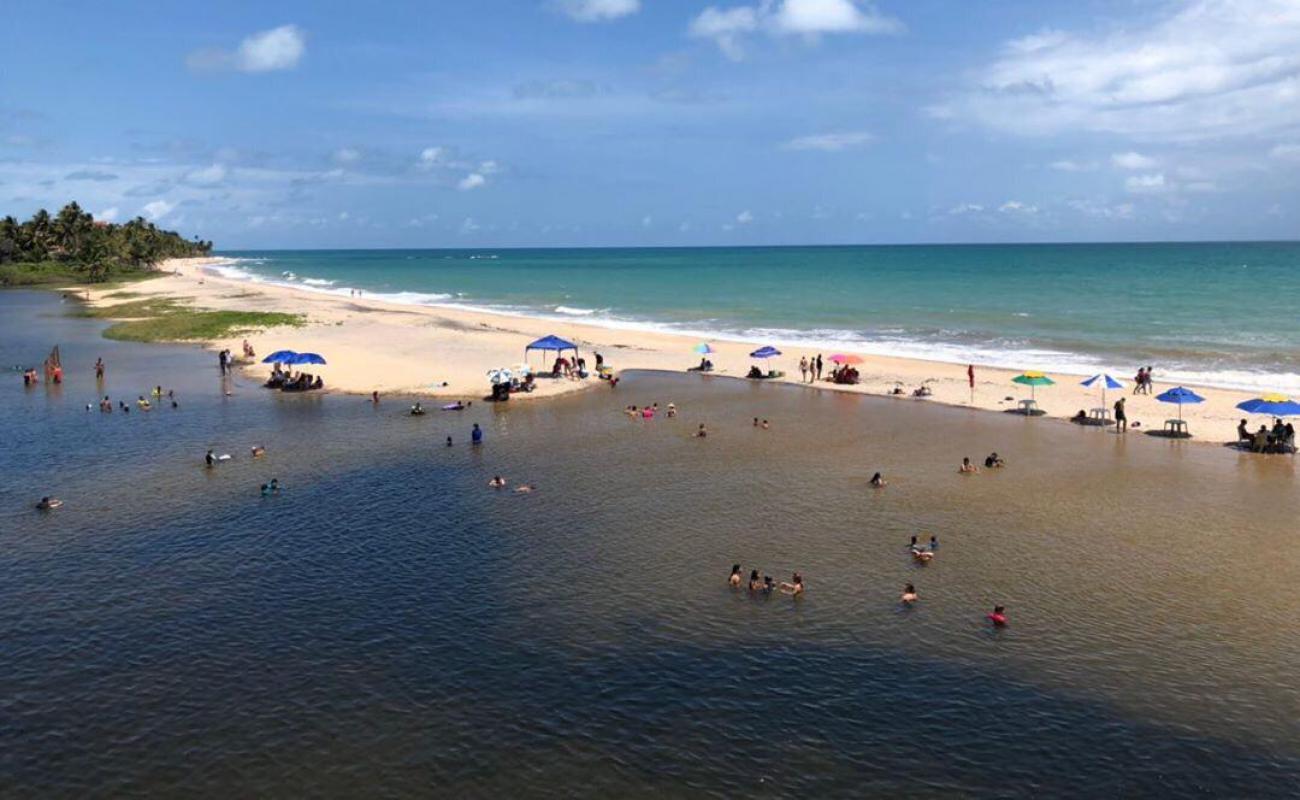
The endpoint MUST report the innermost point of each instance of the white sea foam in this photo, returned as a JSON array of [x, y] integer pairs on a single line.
[[577, 312], [318, 282]]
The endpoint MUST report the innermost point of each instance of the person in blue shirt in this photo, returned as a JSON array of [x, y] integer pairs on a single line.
[[476, 435]]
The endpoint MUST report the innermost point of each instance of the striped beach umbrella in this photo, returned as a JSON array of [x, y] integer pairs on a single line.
[[1105, 382]]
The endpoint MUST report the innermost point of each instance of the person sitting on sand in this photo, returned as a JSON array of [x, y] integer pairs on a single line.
[[754, 583], [734, 580], [967, 467], [258, 451], [1080, 416], [48, 503], [922, 391], [994, 461], [878, 481], [998, 617], [702, 432], [794, 586], [1243, 433], [417, 410], [909, 595], [497, 482]]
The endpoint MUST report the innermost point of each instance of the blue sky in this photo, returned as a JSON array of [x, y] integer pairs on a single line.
[[658, 122]]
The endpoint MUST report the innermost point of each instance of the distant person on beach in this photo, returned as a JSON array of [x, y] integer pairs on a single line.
[[967, 467], [878, 481], [754, 583], [803, 369], [818, 364], [1243, 433], [476, 435], [735, 579], [1140, 381], [909, 595], [794, 586], [374, 397], [1121, 419]]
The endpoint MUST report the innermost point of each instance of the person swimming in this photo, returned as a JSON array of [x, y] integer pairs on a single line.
[[702, 432], [765, 426], [417, 410], [909, 594], [878, 481], [994, 461], [143, 403], [497, 482], [998, 617], [734, 580], [768, 585], [913, 545], [258, 451], [755, 422], [934, 542], [449, 441], [794, 586], [921, 556], [966, 466], [48, 503], [754, 583], [672, 410], [524, 488]]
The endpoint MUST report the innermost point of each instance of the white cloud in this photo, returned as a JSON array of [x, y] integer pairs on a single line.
[[1103, 211], [1203, 70], [745, 217], [1286, 152], [207, 176], [1068, 165], [1131, 160], [829, 142], [344, 216], [264, 51], [647, 221], [1147, 184], [278, 48], [107, 215], [598, 10], [471, 181], [966, 208], [430, 157], [1017, 207], [346, 155], [469, 226], [489, 167], [807, 18], [157, 209]]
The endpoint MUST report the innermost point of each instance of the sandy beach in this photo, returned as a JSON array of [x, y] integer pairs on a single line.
[[446, 352]]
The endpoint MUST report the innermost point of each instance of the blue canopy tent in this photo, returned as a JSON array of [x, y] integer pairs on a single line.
[[551, 343], [767, 351]]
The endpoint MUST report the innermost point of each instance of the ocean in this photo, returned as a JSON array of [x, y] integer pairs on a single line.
[[389, 625], [1220, 314]]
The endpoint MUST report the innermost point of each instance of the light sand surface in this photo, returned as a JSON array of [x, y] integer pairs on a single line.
[[446, 352]]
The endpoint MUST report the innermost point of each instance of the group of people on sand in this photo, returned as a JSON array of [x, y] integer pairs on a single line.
[[287, 381], [1278, 439], [573, 370], [1142, 380], [810, 369], [765, 586], [991, 461]]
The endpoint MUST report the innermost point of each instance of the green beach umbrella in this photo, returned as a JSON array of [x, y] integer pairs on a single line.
[[1033, 380]]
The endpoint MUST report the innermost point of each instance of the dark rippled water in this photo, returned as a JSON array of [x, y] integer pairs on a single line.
[[388, 625]]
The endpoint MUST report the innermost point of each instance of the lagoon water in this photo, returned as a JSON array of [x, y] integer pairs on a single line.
[[390, 625], [1215, 313]]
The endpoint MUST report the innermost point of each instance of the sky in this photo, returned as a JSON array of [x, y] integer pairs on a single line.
[[560, 123]]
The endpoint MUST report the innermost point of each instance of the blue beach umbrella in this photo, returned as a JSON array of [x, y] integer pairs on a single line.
[[1105, 381], [306, 358], [766, 351], [279, 355], [703, 348], [1275, 405], [1180, 396]]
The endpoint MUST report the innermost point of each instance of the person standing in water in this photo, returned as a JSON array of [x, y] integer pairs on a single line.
[[476, 435], [1121, 419], [734, 580], [99, 369]]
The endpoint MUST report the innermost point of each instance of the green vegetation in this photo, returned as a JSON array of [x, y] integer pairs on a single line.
[[72, 247], [164, 320]]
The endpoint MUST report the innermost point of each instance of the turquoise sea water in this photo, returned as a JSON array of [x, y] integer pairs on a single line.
[[1217, 314]]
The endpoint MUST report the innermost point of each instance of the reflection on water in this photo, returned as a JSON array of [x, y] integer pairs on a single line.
[[390, 623]]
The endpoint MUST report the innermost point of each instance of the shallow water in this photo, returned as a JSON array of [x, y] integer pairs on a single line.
[[390, 624]]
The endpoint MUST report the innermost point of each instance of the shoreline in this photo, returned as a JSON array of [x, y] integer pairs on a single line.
[[445, 352]]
